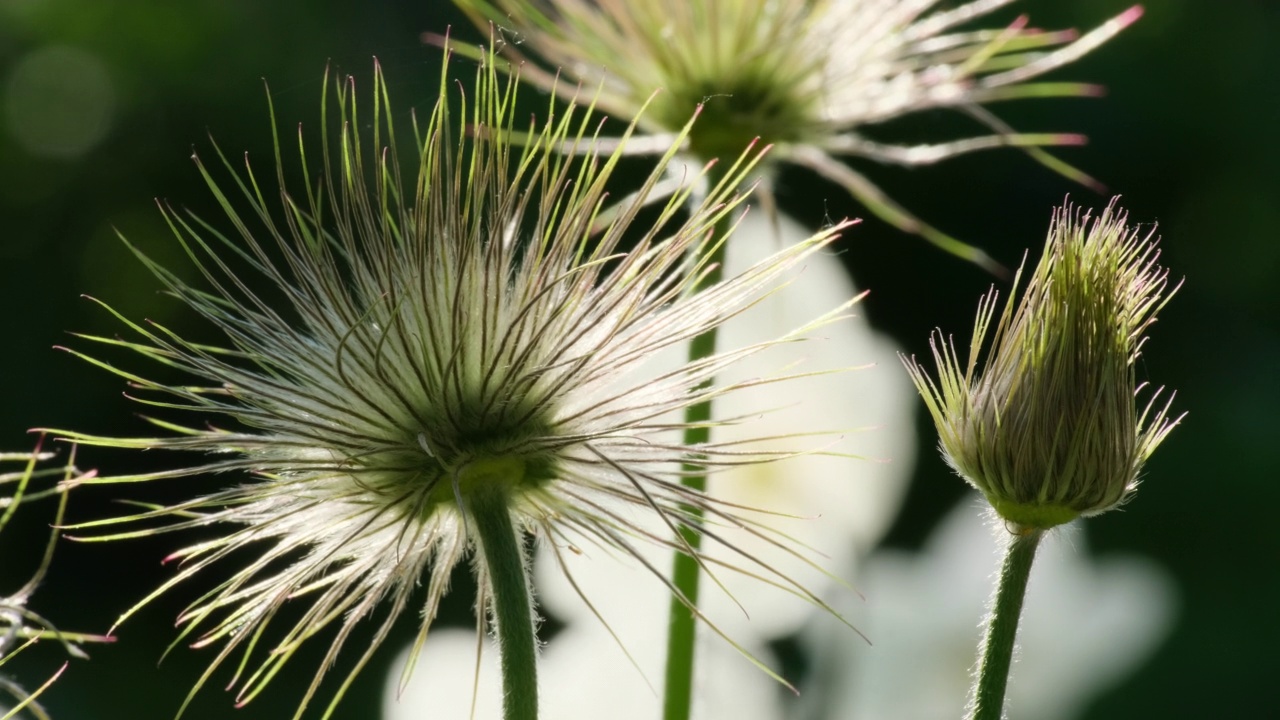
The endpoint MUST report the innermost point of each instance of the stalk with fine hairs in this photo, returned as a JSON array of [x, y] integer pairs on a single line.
[[452, 353], [677, 697]]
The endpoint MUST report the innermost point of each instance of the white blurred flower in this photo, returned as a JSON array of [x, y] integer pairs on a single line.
[[445, 670], [842, 506], [1086, 624]]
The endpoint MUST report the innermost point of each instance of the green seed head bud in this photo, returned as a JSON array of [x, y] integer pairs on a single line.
[[1050, 429]]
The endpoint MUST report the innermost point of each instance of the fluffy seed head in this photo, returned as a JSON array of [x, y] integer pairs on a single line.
[[400, 337], [1051, 428], [812, 77]]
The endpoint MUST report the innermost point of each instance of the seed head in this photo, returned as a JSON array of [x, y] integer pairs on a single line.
[[810, 77], [405, 337], [1051, 428]]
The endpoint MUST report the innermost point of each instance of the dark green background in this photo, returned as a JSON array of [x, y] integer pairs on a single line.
[[1187, 135]]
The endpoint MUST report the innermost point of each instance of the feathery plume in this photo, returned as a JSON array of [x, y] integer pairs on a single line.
[[433, 337], [810, 77]]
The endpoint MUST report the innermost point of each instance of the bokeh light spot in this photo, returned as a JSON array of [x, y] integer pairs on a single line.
[[58, 101]]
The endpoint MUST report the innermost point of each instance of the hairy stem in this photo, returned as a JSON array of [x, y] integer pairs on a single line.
[[512, 603], [1002, 625], [678, 690]]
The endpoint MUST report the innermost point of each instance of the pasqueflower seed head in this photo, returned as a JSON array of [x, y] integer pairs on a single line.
[[810, 76], [401, 337], [1051, 428]]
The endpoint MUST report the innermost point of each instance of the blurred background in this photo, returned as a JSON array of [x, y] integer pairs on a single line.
[[102, 102]]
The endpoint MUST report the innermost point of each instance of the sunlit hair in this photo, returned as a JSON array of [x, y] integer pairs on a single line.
[[810, 76], [426, 327]]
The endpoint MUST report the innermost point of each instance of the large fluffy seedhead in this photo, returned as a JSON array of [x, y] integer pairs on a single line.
[[1050, 428], [810, 76], [476, 319]]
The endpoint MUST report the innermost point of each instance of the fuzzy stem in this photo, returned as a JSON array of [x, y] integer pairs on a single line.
[[1002, 625], [512, 603], [682, 628]]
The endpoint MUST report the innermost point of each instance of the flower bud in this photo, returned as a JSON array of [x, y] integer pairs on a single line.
[[1051, 428]]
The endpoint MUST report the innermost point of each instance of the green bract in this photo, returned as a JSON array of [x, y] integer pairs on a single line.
[[1050, 427]]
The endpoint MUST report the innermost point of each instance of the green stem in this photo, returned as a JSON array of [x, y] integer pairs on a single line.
[[513, 610], [678, 690], [1002, 626]]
